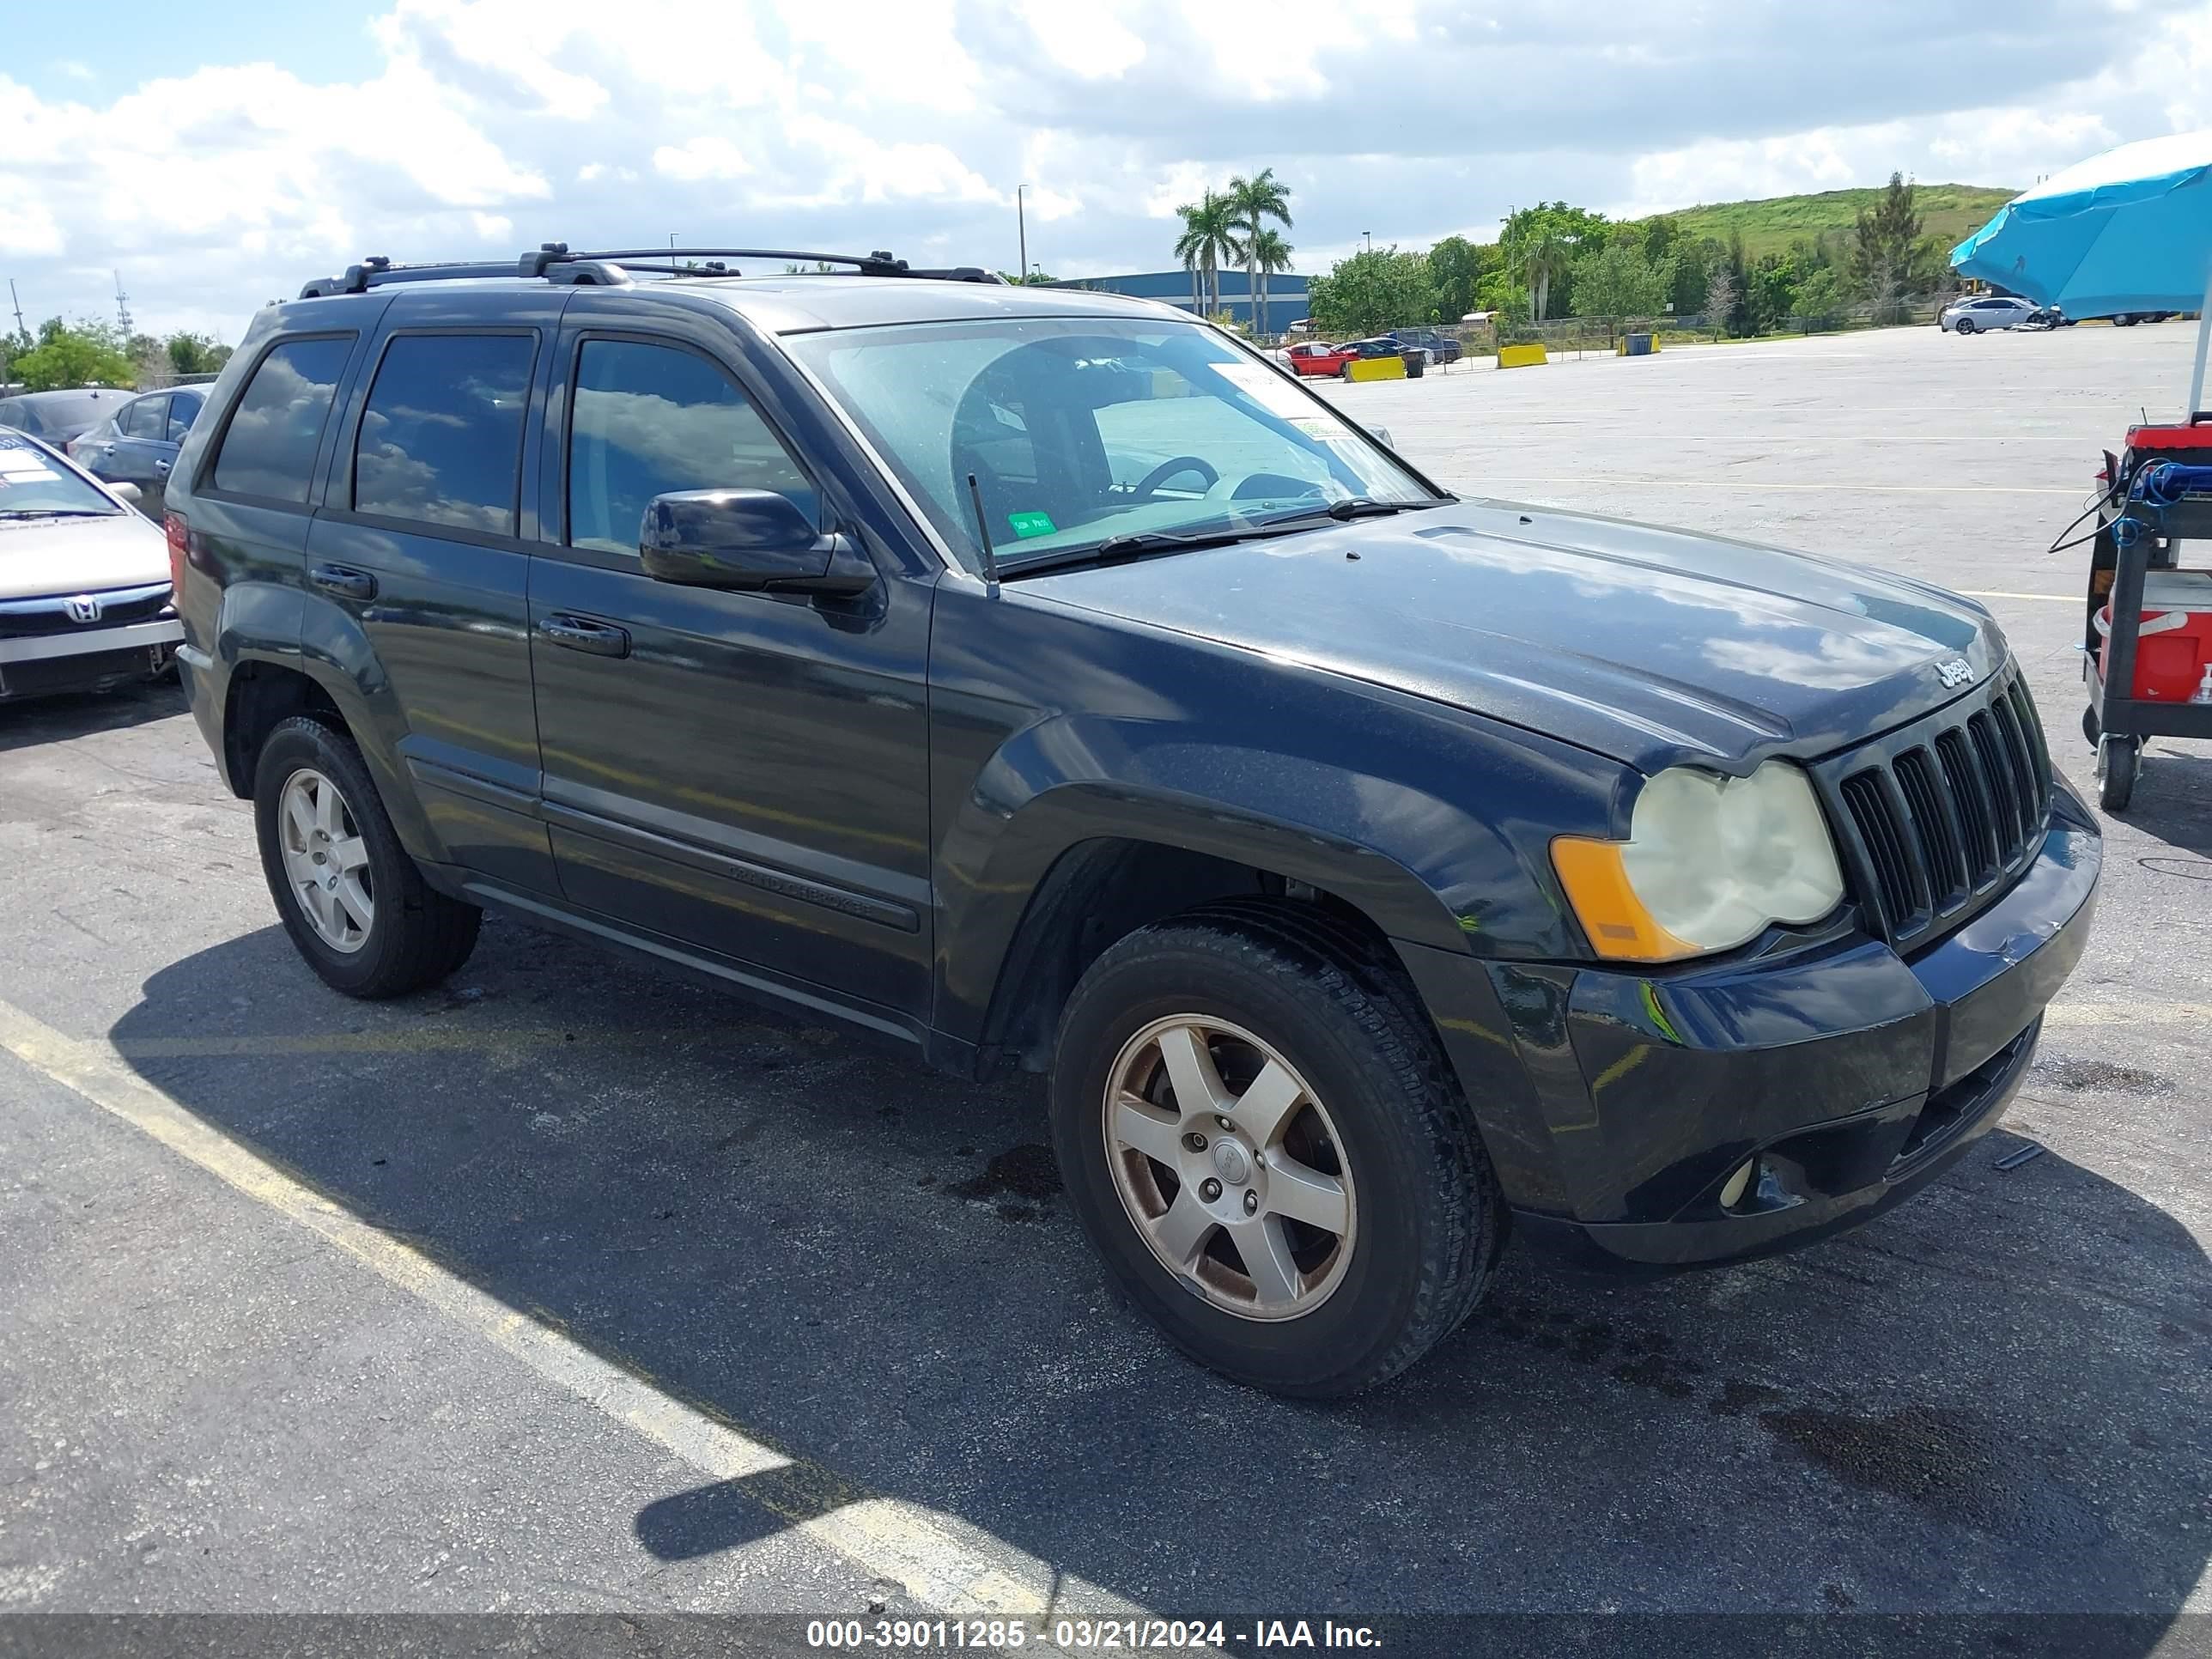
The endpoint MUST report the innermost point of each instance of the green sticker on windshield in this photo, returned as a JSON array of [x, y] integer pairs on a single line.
[[1032, 524]]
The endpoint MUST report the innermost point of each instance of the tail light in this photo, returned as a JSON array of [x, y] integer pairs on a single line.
[[180, 542]]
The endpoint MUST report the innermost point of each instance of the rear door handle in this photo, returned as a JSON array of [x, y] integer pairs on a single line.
[[345, 581], [583, 634]]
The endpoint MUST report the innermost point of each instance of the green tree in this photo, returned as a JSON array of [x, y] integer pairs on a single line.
[[1616, 281], [64, 357], [1382, 288], [1253, 202], [1888, 249], [1820, 294], [1454, 267], [1208, 241], [195, 354], [1268, 253]]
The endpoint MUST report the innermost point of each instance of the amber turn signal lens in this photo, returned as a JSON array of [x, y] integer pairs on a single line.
[[1619, 926]]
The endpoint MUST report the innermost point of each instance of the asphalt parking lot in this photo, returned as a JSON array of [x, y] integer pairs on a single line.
[[571, 1288]]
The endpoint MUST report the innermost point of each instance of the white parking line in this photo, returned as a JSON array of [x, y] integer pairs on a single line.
[[941, 1561]]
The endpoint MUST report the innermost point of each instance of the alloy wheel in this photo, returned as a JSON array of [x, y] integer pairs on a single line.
[[326, 861], [1229, 1167]]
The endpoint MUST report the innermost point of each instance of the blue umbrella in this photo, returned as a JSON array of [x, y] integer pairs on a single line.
[[2128, 230]]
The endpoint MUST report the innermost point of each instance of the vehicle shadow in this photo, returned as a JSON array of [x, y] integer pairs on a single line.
[[57, 720], [2172, 799], [1994, 1400]]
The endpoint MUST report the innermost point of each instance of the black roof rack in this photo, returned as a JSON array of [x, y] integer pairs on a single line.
[[611, 267]]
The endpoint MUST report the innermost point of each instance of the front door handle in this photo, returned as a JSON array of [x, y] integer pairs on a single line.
[[582, 634], [160, 466], [343, 580]]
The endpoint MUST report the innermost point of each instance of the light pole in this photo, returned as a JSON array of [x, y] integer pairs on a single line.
[[1022, 230], [1368, 237]]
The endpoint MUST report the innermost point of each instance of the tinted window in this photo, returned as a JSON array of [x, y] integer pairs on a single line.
[[441, 439], [649, 419], [15, 415], [145, 418], [269, 448], [184, 409]]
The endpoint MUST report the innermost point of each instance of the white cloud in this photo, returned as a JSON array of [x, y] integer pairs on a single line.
[[907, 124]]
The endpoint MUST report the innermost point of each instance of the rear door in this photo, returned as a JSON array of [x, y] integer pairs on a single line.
[[420, 549], [747, 772], [140, 453]]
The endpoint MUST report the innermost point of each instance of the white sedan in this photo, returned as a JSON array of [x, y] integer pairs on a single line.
[[84, 580], [1983, 312]]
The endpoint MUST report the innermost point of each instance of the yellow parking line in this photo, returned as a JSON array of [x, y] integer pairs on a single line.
[[942, 1561]]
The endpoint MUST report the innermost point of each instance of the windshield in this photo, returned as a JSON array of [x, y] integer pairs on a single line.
[[1080, 430], [34, 485]]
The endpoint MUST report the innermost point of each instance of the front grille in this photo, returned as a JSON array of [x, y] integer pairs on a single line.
[[1944, 812], [25, 619]]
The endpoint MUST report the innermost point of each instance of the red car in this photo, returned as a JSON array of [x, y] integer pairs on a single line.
[[1312, 357]]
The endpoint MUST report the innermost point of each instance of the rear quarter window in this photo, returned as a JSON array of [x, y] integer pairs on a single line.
[[269, 449]]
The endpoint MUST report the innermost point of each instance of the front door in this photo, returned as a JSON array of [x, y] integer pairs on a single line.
[[142, 452], [745, 773]]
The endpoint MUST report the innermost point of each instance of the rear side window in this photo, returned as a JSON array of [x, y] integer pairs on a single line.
[[650, 419], [269, 448], [184, 410], [143, 418], [441, 439]]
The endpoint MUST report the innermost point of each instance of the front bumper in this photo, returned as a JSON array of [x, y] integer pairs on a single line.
[[1852, 1076], [47, 665]]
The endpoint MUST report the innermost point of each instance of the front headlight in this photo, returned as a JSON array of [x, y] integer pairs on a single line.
[[1708, 862]]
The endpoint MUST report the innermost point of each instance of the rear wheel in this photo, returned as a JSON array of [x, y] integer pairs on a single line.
[[348, 892], [1264, 1143]]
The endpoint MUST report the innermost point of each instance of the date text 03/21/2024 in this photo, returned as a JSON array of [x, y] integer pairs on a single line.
[[1083, 1635]]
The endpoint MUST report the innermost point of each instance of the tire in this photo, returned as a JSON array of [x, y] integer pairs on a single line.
[[1965, 325], [2091, 727], [413, 935], [2117, 761], [1422, 1218]]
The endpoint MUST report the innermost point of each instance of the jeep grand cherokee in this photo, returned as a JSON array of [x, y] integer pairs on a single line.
[[1035, 678]]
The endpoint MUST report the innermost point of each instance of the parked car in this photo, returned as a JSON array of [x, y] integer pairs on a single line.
[[1986, 311], [2130, 318], [58, 416], [2046, 317], [1314, 357], [1366, 866], [1382, 345], [84, 580], [138, 444], [1441, 347]]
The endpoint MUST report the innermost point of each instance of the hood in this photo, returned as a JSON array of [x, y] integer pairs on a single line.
[[1651, 646], [39, 558]]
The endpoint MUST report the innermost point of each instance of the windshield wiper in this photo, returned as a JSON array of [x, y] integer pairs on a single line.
[[1136, 543]]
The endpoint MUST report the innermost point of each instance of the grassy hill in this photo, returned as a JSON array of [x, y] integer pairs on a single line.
[[1947, 212]]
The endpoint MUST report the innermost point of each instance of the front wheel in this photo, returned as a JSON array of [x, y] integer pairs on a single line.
[[2117, 761], [347, 891], [1966, 325], [1262, 1140]]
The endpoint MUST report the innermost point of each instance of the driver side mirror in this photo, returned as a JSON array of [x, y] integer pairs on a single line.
[[746, 541], [1381, 434], [127, 493]]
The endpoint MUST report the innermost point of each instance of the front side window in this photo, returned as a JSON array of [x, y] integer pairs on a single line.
[[144, 418], [1080, 430], [270, 448], [651, 419], [441, 437]]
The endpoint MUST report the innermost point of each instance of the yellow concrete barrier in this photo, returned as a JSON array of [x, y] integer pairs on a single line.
[[1375, 369], [1521, 357]]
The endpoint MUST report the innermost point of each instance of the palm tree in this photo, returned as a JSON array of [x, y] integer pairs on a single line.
[[1267, 253], [1209, 238], [1255, 201], [1545, 252]]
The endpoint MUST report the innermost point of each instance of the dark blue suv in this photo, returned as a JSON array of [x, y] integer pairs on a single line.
[[1039, 678]]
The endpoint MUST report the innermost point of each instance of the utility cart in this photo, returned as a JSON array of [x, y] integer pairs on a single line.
[[2147, 640], [2119, 234]]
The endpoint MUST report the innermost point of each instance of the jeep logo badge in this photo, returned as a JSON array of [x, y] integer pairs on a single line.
[[1956, 672], [84, 608]]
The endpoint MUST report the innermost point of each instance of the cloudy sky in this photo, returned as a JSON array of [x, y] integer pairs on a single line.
[[218, 156]]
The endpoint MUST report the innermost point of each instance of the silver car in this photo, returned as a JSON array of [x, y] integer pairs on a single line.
[[1971, 316], [85, 582]]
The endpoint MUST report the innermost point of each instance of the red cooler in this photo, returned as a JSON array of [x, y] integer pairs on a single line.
[[2176, 641]]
